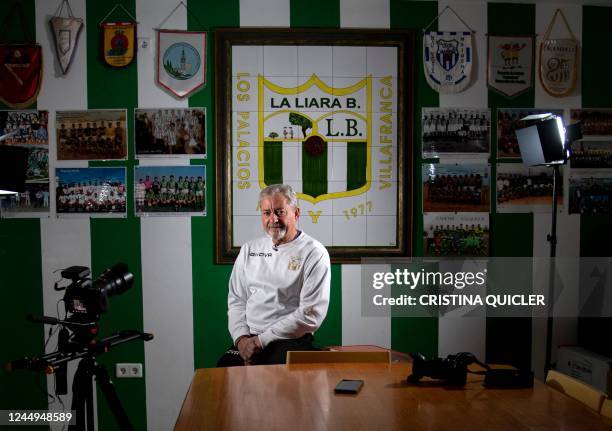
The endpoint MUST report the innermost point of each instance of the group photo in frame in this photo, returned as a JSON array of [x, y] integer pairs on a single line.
[[170, 131], [523, 189], [590, 193], [91, 191], [591, 154], [176, 190], [595, 122], [455, 131], [456, 187], [327, 112], [456, 234], [28, 129], [93, 134]]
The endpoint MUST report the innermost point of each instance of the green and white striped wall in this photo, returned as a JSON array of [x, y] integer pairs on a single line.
[[179, 293]]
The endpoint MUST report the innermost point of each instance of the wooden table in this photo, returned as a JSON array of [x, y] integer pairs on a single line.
[[301, 397]]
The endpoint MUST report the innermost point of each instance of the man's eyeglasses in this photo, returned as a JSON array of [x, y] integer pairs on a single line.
[[280, 212]]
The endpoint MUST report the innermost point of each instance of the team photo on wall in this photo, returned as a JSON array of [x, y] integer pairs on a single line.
[[163, 131], [91, 191], [98, 134], [170, 190]]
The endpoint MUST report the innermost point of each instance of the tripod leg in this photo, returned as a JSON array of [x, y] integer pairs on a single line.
[[82, 396], [112, 399]]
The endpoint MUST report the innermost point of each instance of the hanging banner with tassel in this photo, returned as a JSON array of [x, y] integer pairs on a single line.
[[558, 60], [118, 43], [66, 32], [448, 57], [20, 67]]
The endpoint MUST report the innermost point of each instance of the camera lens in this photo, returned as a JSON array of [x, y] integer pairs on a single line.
[[114, 280]]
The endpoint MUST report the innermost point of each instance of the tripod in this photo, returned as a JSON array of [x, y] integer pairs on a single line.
[[82, 385], [82, 396]]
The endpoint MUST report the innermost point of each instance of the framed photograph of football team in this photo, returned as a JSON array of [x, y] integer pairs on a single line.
[[328, 112], [456, 187], [591, 154], [170, 190], [94, 134], [96, 192], [170, 131], [28, 129], [522, 189], [590, 193], [508, 120], [595, 122], [455, 132], [456, 234]]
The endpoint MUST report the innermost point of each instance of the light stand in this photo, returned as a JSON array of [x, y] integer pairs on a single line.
[[545, 142], [552, 238]]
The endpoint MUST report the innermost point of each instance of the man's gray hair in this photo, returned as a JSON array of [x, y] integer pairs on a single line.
[[285, 189]]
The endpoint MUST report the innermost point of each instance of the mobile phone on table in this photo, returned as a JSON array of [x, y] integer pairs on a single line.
[[348, 386]]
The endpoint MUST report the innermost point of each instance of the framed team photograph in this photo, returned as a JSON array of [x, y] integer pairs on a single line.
[[522, 189], [94, 134], [595, 122], [91, 191], [28, 129], [170, 190], [455, 131], [30, 203], [508, 120], [590, 154], [455, 187], [590, 193], [450, 234], [170, 131], [328, 112]]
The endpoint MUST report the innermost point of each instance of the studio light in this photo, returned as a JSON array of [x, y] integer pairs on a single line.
[[543, 141]]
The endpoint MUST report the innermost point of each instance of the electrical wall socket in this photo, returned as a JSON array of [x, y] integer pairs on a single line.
[[124, 370]]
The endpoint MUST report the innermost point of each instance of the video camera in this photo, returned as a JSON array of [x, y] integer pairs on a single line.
[[87, 299], [451, 371]]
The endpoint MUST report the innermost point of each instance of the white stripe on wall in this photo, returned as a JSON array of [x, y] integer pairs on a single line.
[[357, 329], [165, 250], [150, 13], [264, 13], [365, 14], [167, 312], [461, 334], [64, 243]]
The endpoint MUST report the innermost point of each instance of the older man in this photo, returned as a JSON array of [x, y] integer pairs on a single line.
[[279, 287]]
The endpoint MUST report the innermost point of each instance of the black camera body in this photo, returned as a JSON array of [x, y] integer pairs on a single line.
[[87, 299], [451, 371]]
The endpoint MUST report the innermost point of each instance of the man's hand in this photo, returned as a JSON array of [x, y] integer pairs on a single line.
[[247, 346]]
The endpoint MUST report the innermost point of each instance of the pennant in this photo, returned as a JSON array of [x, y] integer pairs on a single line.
[[118, 43], [447, 60], [20, 74], [181, 61], [66, 32], [558, 61], [510, 64]]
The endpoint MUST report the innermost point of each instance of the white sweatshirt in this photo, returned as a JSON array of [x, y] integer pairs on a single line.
[[279, 292]]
